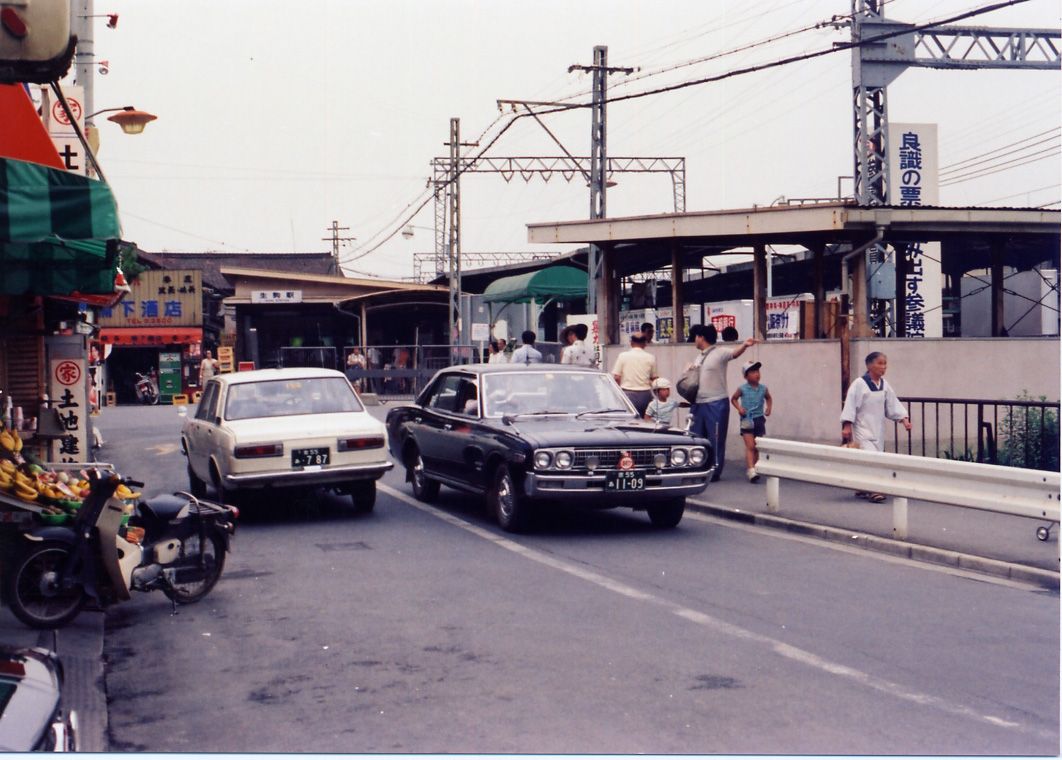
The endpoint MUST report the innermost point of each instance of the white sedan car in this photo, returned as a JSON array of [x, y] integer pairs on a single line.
[[273, 428]]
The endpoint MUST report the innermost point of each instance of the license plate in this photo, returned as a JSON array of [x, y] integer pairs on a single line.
[[625, 480], [309, 457]]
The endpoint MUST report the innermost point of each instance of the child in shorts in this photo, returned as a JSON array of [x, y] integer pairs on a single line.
[[661, 409], [753, 402]]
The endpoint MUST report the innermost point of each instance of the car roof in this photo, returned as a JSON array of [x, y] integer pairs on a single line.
[[494, 369], [288, 373]]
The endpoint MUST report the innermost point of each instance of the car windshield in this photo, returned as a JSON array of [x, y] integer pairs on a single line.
[[545, 392], [283, 398]]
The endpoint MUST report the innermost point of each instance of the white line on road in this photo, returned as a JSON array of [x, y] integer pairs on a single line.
[[780, 648]]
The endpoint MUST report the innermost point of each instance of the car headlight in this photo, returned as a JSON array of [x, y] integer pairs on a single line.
[[659, 461], [563, 460], [543, 459], [678, 457], [697, 456]]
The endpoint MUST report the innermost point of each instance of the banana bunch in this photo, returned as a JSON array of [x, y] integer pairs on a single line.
[[123, 493], [22, 486], [10, 445]]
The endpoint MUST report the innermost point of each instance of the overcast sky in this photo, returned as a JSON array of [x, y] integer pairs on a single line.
[[277, 117]]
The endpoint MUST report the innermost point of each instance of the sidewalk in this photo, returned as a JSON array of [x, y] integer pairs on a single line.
[[973, 539]]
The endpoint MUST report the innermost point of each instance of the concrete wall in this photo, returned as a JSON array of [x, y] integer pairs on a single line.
[[804, 377]]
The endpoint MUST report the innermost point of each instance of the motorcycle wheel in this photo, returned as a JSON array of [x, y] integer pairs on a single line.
[[34, 592], [214, 557]]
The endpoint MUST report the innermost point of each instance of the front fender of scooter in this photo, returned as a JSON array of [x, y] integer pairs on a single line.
[[58, 533]]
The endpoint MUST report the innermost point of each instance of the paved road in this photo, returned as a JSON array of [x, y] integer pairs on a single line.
[[425, 629]]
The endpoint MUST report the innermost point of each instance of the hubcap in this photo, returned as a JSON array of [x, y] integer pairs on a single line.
[[418, 472], [505, 496]]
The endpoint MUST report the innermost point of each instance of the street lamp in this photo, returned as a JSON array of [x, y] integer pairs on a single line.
[[129, 118]]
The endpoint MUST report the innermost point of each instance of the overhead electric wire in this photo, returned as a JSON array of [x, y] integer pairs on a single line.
[[1018, 195], [1006, 166], [992, 155]]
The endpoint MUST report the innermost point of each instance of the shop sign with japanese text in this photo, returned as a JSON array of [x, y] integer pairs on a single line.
[[159, 298], [276, 296], [67, 387]]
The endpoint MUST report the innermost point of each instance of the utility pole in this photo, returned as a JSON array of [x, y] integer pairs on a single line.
[[335, 229], [454, 243], [598, 155]]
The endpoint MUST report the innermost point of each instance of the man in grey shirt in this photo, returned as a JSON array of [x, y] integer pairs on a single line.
[[711, 409]]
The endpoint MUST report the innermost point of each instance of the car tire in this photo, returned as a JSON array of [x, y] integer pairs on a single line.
[[224, 495], [424, 488], [667, 514], [196, 485], [509, 506], [363, 494]]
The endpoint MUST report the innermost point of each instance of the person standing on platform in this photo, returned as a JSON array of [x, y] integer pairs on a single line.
[[527, 353]]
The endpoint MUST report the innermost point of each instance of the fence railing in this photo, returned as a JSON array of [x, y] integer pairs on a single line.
[[1019, 433]]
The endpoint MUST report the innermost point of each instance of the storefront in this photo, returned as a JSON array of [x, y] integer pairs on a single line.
[[156, 330]]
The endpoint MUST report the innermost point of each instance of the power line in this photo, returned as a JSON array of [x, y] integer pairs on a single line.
[[1005, 166], [1018, 195], [992, 155]]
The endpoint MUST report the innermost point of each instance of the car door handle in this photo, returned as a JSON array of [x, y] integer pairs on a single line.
[[417, 420], [448, 426]]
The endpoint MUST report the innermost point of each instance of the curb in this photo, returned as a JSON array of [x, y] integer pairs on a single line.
[[918, 552]]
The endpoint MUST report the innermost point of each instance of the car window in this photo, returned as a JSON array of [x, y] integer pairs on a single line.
[[565, 392], [283, 398], [444, 395], [467, 401], [208, 402]]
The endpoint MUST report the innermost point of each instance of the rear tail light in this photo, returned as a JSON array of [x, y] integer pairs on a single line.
[[356, 444], [259, 450]]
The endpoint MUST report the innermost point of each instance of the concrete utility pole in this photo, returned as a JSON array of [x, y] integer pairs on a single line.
[[335, 229], [453, 191], [598, 155], [81, 24]]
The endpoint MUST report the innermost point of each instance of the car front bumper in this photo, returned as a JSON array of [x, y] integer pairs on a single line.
[[584, 487], [321, 476]]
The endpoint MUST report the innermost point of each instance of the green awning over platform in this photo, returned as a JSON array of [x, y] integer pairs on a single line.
[[58, 231], [551, 282]]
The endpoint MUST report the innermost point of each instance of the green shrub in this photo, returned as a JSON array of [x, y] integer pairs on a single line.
[[1028, 437]]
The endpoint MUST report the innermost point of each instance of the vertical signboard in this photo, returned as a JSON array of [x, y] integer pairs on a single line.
[[61, 130], [67, 385], [913, 181]]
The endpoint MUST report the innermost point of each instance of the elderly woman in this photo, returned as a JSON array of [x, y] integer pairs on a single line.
[[869, 403]]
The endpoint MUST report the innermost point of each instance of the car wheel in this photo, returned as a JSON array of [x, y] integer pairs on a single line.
[[224, 495], [424, 488], [506, 502], [363, 494], [196, 485], [667, 514]]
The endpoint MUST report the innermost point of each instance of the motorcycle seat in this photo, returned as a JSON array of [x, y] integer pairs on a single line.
[[162, 508]]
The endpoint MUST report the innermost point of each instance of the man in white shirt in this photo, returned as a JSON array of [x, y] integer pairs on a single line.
[[577, 352], [635, 370], [527, 353]]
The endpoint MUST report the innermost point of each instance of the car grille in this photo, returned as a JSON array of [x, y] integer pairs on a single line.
[[609, 458]]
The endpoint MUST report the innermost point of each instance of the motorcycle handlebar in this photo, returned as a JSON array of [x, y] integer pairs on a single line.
[[133, 483]]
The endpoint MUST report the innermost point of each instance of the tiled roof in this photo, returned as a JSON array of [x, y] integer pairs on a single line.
[[211, 263]]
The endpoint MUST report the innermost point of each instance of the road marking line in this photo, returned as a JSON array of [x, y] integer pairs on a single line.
[[825, 543], [700, 618]]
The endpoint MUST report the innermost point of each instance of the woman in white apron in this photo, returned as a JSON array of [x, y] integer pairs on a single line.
[[869, 403]]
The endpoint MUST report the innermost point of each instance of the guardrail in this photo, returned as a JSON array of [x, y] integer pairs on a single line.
[[993, 488], [1019, 433]]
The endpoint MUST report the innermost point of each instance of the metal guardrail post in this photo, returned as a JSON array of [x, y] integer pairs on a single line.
[[899, 517], [773, 495]]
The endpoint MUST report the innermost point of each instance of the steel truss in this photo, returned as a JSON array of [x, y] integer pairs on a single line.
[[424, 264], [545, 167]]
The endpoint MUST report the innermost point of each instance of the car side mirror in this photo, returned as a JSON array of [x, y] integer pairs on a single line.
[[217, 420]]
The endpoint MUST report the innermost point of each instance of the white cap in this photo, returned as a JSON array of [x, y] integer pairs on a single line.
[[661, 382]]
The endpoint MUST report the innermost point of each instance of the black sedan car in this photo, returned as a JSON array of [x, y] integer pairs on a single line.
[[522, 434]]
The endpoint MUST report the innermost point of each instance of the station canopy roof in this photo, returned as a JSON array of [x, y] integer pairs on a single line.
[[58, 231], [551, 282]]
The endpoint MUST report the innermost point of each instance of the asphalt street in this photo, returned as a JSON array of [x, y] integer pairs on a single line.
[[426, 629]]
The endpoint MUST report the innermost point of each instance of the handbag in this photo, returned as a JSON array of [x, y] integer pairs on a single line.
[[690, 382]]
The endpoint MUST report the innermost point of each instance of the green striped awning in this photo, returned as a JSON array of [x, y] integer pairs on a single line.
[[58, 231]]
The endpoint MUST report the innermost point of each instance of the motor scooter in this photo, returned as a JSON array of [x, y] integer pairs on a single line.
[[147, 389], [175, 543]]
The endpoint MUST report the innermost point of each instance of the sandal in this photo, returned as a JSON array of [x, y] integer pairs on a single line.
[[876, 498]]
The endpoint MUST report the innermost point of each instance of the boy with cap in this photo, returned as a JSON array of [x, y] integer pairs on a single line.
[[753, 402], [661, 409]]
